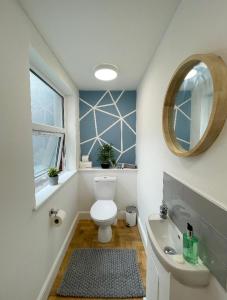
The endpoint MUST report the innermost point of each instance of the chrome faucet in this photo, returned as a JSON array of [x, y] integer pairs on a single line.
[[163, 210]]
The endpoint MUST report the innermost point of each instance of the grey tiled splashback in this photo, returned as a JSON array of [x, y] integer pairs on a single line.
[[209, 222]]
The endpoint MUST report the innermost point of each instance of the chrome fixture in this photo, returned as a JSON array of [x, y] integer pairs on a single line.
[[163, 210], [169, 250]]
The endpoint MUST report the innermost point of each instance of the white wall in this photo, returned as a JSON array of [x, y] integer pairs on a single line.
[[28, 244], [126, 189], [199, 26]]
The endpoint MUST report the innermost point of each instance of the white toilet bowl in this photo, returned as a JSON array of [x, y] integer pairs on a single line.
[[104, 213]]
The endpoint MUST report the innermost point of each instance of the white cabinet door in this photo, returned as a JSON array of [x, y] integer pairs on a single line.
[[152, 286]]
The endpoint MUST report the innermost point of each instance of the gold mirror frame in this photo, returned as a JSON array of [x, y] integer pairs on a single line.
[[218, 71]]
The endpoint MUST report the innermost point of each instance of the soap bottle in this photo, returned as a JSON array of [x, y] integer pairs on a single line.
[[190, 246]]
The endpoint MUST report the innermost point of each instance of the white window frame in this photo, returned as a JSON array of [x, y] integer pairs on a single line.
[[38, 128]]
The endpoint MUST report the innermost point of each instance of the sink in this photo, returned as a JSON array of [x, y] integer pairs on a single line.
[[167, 245]]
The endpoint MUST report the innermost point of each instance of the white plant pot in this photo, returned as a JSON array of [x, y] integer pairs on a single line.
[[53, 180]]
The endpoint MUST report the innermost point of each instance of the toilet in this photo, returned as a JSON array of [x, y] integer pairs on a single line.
[[104, 211]]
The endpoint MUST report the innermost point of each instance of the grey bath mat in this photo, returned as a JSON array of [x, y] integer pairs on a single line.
[[102, 273]]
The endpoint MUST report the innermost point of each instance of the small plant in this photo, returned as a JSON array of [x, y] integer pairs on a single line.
[[106, 155], [53, 172]]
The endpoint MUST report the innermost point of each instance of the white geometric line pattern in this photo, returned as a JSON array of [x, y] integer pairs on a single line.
[[178, 110], [118, 119]]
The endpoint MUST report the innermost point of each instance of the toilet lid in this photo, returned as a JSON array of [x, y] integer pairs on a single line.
[[103, 210]]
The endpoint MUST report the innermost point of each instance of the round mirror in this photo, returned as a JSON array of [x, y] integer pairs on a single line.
[[192, 106], [195, 106]]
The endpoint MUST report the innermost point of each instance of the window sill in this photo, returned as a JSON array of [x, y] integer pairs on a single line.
[[42, 196], [95, 169]]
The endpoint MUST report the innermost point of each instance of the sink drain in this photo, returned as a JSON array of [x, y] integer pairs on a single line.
[[169, 250]]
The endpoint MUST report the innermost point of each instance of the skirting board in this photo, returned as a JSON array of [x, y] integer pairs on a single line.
[[143, 237], [142, 233], [44, 293]]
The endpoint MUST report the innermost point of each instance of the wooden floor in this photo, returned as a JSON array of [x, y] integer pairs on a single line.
[[86, 237]]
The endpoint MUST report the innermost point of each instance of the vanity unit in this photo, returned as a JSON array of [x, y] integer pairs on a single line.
[[169, 277]]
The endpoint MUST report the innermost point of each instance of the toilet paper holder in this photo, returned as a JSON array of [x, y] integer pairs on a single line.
[[57, 216], [53, 212]]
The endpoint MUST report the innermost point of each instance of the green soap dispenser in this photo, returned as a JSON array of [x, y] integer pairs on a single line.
[[190, 246]]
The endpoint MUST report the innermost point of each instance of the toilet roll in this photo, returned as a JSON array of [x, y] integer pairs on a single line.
[[58, 219], [85, 158]]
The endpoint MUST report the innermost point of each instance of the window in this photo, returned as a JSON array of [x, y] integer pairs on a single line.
[[48, 132]]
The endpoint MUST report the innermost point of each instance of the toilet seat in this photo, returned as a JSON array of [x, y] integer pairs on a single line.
[[103, 210]]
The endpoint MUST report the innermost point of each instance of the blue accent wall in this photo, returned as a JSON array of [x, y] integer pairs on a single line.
[[108, 117], [182, 116]]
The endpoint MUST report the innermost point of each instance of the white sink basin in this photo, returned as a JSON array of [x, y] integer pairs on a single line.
[[164, 233]]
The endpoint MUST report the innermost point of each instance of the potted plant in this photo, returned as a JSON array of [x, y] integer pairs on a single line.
[[53, 176], [106, 156]]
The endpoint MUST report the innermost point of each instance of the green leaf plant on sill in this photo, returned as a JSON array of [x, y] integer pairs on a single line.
[[106, 156], [53, 176]]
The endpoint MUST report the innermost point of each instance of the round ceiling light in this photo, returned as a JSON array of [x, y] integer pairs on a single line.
[[106, 72]]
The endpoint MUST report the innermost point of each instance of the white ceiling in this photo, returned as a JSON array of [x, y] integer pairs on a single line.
[[85, 33]]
